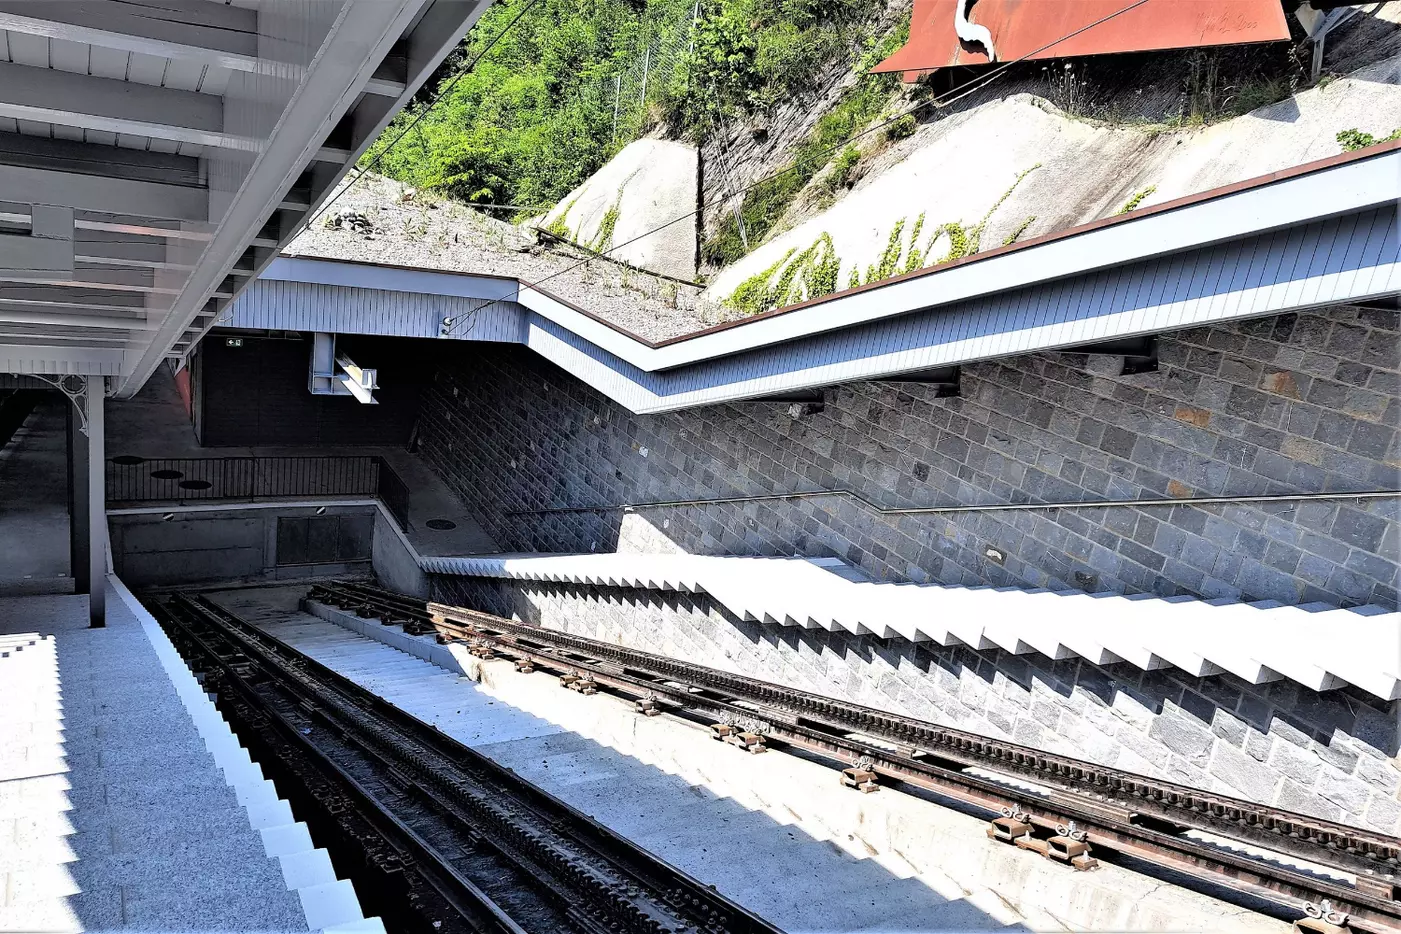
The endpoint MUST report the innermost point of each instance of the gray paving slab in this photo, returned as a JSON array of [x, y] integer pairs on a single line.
[[804, 885], [34, 498], [159, 839]]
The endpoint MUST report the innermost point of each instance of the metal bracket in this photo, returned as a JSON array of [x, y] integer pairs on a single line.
[[1325, 912], [1071, 831], [1322, 918], [76, 392], [1013, 825]]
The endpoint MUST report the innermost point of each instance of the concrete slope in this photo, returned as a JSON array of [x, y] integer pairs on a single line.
[[965, 169], [638, 196]]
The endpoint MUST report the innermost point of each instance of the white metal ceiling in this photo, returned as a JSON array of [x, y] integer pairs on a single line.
[[155, 154]]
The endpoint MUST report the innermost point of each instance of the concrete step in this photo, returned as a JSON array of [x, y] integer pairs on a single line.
[[1321, 648], [52, 914]]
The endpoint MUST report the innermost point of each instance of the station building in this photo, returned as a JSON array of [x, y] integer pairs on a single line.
[[1129, 491]]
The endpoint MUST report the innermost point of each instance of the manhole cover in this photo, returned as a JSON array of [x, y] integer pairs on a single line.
[[195, 484], [441, 525], [167, 474], [128, 460]]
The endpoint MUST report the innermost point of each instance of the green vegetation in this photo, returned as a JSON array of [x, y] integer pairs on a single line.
[[765, 203], [814, 272], [751, 54], [842, 168], [1355, 139], [603, 239], [1136, 200], [559, 227], [1016, 235], [902, 127], [536, 116]]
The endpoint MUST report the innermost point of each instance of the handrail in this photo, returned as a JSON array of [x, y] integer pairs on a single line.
[[258, 477], [940, 510]]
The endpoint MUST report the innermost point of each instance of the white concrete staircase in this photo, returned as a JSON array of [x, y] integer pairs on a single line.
[[127, 805], [834, 860], [329, 904], [1318, 645]]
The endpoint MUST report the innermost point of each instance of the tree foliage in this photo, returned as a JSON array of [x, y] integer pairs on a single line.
[[536, 116]]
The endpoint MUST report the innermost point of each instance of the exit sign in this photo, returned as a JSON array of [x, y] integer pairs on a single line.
[[233, 342]]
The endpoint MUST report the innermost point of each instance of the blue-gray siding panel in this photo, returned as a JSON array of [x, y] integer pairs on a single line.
[[1340, 259]]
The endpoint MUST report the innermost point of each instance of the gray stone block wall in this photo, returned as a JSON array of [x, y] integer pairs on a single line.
[[1304, 403], [1331, 755]]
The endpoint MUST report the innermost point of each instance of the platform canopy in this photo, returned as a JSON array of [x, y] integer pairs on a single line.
[[156, 154]]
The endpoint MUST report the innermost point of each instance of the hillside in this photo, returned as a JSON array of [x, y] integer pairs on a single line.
[[775, 184], [1037, 170]]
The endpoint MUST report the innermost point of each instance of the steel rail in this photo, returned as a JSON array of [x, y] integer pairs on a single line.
[[595, 880], [1123, 811], [396, 867]]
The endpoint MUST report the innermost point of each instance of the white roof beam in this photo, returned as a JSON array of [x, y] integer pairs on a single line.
[[140, 227], [187, 30], [86, 338], [95, 298], [119, 225], [109, 278], [94, 247], [38, 314], [108, 195], [44, 95]]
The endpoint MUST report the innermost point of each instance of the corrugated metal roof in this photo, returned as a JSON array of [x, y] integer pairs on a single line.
[[1040, 29]]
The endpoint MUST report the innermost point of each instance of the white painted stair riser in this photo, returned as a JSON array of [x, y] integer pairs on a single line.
[[1317, 646]]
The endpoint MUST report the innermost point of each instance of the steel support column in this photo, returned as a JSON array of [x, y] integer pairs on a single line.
[[78, 536], [97, 504]]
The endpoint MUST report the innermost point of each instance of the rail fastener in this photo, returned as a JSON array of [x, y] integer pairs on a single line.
[[1010, 827], [1322, 918], [584, 684], [525, 666], [863, 780], [647, 706], [749, 742]]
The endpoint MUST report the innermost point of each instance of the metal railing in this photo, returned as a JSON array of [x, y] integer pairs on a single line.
[[185, 480], [878, 509]]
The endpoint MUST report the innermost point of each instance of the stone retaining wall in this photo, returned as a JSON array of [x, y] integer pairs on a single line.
[[1299, 403]]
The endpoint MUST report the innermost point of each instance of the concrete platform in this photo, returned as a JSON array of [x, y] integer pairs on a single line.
[[34, 503], [123, 805], [774, 832]]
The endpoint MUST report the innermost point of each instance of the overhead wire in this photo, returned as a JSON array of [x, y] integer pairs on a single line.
[[442, 92], [938, 101]]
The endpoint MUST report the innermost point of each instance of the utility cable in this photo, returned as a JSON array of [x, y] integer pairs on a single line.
[[418, 118], [964, 91]]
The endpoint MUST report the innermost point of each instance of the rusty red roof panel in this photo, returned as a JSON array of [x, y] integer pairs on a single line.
[[1035, 29]]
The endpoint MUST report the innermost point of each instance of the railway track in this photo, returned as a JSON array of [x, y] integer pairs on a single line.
[[438, 837], [1078, 805]]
